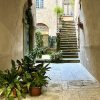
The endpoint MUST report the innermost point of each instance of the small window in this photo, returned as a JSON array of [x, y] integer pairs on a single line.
[[39, 3]]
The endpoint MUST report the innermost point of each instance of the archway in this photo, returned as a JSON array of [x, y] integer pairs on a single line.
[[43, 28]]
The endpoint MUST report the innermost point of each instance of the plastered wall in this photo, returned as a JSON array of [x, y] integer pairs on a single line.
[[90, 37], [11, 31]]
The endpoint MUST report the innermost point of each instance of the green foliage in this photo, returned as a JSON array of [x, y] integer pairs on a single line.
[[39, 41], [22, 75], [38, 52], [58, 10], [56, 55], [40, 78], [9, 81]]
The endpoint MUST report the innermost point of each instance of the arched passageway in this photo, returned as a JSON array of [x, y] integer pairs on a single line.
[[43, 28]]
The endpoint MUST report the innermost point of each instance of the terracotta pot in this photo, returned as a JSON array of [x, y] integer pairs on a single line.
[[35, 91], [14, 92]]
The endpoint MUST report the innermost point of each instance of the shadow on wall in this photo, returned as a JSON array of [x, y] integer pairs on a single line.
[[11, 31]]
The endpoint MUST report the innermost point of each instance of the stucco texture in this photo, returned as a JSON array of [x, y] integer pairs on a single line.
[[90, 37], [11, 31]]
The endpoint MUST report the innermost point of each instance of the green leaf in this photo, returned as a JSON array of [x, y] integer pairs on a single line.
[[18, 94], [11, 98], [8, 91], [2, 90], [18, 86], [28, 85]]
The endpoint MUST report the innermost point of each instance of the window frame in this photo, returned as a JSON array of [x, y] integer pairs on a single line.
[[39, 4]]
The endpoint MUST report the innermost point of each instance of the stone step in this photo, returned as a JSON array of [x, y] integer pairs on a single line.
[[70, 53], [70, 43], [71, 60], [71, 50], [68, 39], [67, 36], [68, 22], [67, 48], [70, 56], [68, 31], [63, 34], [67, 26], [63, 28], [64, 60]]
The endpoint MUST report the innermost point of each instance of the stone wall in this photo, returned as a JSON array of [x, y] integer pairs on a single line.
[[11, 31], [47, 15]]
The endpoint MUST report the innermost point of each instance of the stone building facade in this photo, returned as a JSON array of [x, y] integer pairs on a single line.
[[47, 16]]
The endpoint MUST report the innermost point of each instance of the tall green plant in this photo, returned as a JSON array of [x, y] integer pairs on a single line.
[[39, 40]]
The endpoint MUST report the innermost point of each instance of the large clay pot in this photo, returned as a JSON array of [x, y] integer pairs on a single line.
[[35, 91]]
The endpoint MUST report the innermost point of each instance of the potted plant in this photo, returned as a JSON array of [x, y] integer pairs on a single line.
[[33, 75], [10, 85], [25, 69], [40, 79]]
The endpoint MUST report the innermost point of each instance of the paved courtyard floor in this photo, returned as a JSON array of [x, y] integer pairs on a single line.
[[69, 81]]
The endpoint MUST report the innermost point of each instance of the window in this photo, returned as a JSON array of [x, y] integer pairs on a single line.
[[39, 3]]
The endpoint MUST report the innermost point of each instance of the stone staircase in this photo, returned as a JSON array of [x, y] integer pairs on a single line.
[[69, 42]]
